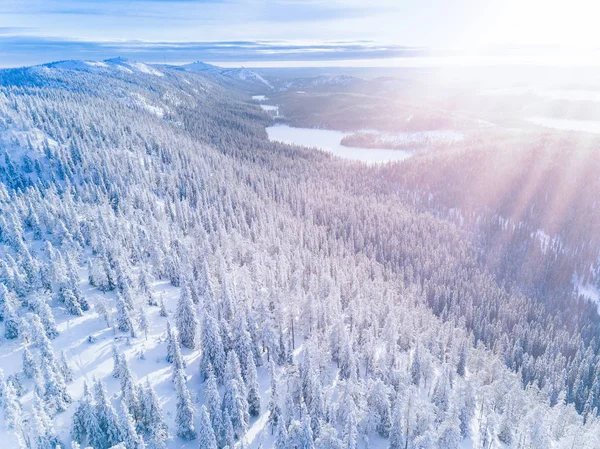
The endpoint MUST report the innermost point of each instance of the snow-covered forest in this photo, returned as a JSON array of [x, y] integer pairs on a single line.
[[170, 278]]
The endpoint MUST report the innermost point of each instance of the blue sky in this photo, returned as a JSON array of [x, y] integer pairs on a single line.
[[232, 31]]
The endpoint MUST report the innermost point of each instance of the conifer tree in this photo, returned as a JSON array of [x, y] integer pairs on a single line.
[[187, 319], [12, 322], [129, 436], [252, 386], [151, 418], [228, 436], [30, 368], [206, 434], [65, 369], [124, 323], [213, 403], [274, 408], [184, 418], [106, 415], [213, 354], [143, 322]]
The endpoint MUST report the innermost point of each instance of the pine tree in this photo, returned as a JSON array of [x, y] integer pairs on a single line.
[[462, 360], [13, 414], [116, 362], [228, 436], [30, 368], [44, 312], [213, 353], [242, 343], [124, 323], [234, 397], [12, 322], [65, 369], [128, 390], [108, 420], [397, 436], [163, 309], [213, 403], [129, 436], [206, 434], [252, 386], [185, 411], [274, 408], [415, 367], [55, 391], [151, 418], [83, 422], [143, 322], [281, 436], [187, 319], [44, 435]]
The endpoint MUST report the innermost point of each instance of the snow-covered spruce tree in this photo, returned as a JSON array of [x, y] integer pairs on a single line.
[[68, 298], [235, 397], [65, 369], [397, 432], [143, 322], [106, 415], [252, 386], [274, 408], [213, 404], [461, 365], [44, 436], [184, 417], [242, 343], [13, 412], [30, 368], [85, 426], [116, 355], [415, 366], [163, 308], [281, 436], [129, 436], [151, 417], [380, 407], [213, 353], [170, 343], [187, 319], [55, 390], [44, 312], [12, 321], [228, 435], [206, 434], [128, 390], [124, 322]]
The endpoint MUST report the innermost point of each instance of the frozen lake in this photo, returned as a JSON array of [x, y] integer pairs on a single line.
[[329, 140]]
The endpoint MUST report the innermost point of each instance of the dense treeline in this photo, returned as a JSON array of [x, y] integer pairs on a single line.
[[375, 320]]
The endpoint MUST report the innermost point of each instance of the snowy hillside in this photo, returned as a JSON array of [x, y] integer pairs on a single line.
[[243, 77], [169, 278]]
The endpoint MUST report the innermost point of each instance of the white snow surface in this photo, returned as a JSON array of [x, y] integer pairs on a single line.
[[329, 140], [589, 126]]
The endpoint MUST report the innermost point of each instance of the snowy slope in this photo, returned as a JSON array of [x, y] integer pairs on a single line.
[[134, 201]]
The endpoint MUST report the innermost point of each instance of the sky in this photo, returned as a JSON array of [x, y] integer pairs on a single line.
[[300, 32]]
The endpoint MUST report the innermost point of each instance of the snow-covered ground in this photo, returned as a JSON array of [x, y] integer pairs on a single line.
[[145, 356], [589, 126], [329, 140]]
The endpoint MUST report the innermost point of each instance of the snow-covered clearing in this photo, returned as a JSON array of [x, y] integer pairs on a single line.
[[566, 124]]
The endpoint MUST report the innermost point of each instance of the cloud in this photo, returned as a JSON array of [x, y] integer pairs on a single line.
[[29, 50]]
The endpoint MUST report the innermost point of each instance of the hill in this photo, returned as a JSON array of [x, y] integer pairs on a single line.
[[211, 288]]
